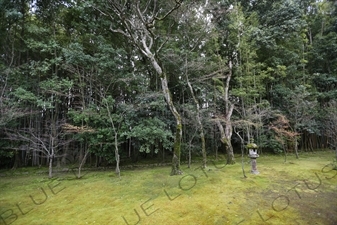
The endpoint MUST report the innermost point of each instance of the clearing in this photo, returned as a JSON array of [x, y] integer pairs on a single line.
[[302, 191]]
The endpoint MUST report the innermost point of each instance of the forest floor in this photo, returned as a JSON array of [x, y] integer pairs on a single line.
[[299, 191]]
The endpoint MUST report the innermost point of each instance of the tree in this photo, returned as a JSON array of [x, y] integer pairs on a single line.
[[49, 137], [283, 132], [107, 102], [201, 127], [137, 23], [331, 124], [15, 106], [301, 109], [97, 110], [226, 51], [49, 144], [226, 133], [220, 65]]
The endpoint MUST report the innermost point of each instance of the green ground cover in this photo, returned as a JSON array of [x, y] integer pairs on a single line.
[[302, 191]]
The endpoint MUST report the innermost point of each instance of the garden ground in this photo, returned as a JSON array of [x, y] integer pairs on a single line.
[[300, 191]]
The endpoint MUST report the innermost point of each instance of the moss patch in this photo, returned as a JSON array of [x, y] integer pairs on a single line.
[[302, 191]]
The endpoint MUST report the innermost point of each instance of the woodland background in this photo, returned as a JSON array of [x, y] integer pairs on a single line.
[[112, 82]]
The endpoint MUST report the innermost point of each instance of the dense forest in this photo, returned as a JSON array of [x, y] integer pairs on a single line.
[[106, 83]]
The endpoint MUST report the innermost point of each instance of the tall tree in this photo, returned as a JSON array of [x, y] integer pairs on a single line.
[[302, 108], [225, 52], [331, 125], [137, 22]]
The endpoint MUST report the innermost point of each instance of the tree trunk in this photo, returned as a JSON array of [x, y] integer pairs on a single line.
[[226, 135], [138, 32], [242, 153], [118, 171], [35, 158], [80, 154], [177, 142], [65, 154], [58, 163], [215, 144], [296, 147], [176, 150], [16, 160], [51, 166], [202, 135], [82, 163], [228, 124], [229, 147]]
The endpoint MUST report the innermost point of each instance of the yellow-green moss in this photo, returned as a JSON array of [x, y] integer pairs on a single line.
[[217, 195]]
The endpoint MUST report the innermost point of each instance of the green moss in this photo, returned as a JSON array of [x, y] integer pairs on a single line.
[[224, 140], [251, 146], [217, 195], [177, 151]]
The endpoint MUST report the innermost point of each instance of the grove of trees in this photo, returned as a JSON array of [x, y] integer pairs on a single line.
[[109, 82]]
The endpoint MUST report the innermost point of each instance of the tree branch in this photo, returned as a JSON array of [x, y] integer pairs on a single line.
[[178, 3]]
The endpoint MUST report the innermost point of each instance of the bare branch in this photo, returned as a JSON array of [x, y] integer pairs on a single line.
[[140, 14], [216, 74], [162, 45], [178, 3], [147, 6], [119, 31]]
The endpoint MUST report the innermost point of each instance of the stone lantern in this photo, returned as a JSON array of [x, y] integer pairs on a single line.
[[252, 148]]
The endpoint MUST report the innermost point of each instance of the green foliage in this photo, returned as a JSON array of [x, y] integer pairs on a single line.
[[151, 132], [56, 85], [4, 152], [269, 143], [63, 57], [23, 95]]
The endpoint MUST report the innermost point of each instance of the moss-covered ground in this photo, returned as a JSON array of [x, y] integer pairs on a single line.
[[300, 191]]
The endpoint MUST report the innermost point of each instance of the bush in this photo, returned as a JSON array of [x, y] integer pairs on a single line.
[[270, 144]]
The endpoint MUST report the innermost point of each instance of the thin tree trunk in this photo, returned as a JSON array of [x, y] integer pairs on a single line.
[[64, 157], [310, 142], [190, 151], [296, 147], [58, 163], [176, 150], [118, 171], [285, 152], [16, 160], [80, 156], [82, 163], [215, 143], [228, 123], [163, 153], [51, 166], [242, 154], [130, 147], [202, 135], [35, 158], [189, 156]]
